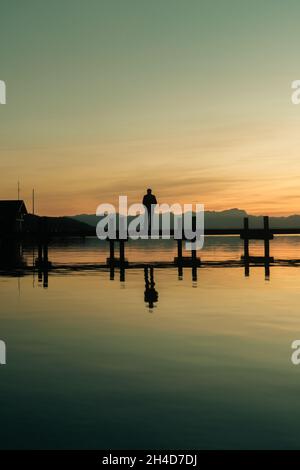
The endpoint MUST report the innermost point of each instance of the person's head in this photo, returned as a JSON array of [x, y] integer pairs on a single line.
[[149, 191]]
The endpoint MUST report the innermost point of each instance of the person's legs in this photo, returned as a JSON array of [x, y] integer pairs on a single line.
[[149, 220]]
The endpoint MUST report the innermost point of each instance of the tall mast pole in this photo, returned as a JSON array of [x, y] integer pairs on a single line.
[[33, 201]]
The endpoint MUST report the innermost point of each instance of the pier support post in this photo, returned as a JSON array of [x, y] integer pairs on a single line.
[[111, 252], [247, 269], [266, 240], [246, 240], [45, 253], [114, 261], [179, 251], [194, 257], [40, 254], [195, 260], [122, 252], [187, 261]]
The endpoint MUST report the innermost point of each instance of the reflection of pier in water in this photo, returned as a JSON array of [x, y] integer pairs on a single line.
[[150, 294], [12, 261], [42, 267]]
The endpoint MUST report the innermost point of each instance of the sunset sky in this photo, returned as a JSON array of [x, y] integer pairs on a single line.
[[189, 97]]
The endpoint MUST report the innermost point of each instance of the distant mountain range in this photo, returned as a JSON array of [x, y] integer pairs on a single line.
[[231, 218], [65, 224]]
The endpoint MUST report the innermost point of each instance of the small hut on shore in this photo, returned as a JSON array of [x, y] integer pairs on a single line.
[[12, 214]]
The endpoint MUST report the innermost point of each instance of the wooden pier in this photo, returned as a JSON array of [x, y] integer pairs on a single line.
[[246, 234], [44, 235], [116, 261], [264, 234]]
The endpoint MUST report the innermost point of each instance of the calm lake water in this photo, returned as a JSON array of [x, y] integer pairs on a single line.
[[91, 366], [216, 248]]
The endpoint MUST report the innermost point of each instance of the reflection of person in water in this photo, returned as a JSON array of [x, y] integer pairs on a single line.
[[149, 201], [150, 294]]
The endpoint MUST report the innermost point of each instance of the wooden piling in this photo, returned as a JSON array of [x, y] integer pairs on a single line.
[[247, 269], [179, 251], [111, 252], [246, 239], [180, 273], [194, 257], [266, 240], [40, 253], [122, 252], [45, 254]]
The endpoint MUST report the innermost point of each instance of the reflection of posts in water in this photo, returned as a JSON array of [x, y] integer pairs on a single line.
[[194, 272], [43, 242], [43, 263], [150, 294], [43, 275], [266, 266], [267, 270], [180, 272], [45, 283], [112, 273], [42, 260]]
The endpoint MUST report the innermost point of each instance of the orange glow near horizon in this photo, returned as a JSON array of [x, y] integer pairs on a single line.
[[220, 171]]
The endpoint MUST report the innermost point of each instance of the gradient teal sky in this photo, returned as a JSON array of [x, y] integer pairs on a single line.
[[192, 98]]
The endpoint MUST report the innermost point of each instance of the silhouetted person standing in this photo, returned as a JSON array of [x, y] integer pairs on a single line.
[[149, 201]]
